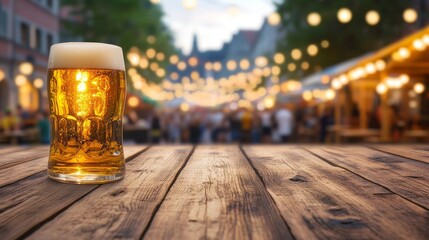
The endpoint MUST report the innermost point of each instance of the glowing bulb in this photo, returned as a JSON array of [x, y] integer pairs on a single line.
[[291, 67], [307, 96], [370, 68], [150, 53], [269, 102], [410, 15], [279, 58], [231, 65], [329, 94], [312, 50], [174, 59], [274, 19], [380, 65], [160, 56], [244, 64], [344, 15], [404, 78], [419, 88], [189, 4], [193, 61], [419, 45], [20, 80], [184, 107], [155, 1], [261, 61], [314, 19], [336, 84], [133, 101], [296, 54], [26, 68], [381, 88], [181, 65], [2, 75], [38, 83], [305, 65], [324, 44], [372, 17]]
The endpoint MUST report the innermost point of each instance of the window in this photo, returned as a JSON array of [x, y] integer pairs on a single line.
[[24, 30], [49, 40], [3, 21], [38, 44]]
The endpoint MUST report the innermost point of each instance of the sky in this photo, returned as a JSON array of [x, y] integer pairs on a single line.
[[213, 21]]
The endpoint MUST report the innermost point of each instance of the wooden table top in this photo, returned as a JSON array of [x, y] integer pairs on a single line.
[[225, 192]]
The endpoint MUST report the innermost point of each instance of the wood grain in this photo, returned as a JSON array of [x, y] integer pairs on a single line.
[[24, 167], [407, 178], [124, 209], [416, 152], [7, 149], [26, 203], [320, 201], [217, 196], [21, 155]]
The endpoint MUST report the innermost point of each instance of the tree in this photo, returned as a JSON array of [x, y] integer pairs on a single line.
[[346, 40], [127, 23]]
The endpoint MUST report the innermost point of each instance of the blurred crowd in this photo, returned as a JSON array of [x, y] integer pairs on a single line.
[[19, 126], [278, 125]]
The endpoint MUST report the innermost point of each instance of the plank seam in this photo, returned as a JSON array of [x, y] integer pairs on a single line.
[[395, 154], [265, 186], [371, 181], [157, 207], [48, 219]]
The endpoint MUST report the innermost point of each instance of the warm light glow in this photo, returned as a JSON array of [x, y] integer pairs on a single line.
[[181, 65], [260, 106], [279, 58], [404, 52], [336, 84], [426, 39], [419, 45], [314, 19], [343, 79], [372, 17], [133, 58], [296, 54], [419, 88], [261, 61], [20, 80], [231, 65], [217, 66], [154, 66], [269, 102], [291, 67], [275, 70], [184, 107], [244, 64], [381, 88], [38, 83], [151, 39], [144, 63], [160, 73], [193, 61], [195, 75], [380, 65], [150, 53], [325, 79], [370, 68], [155, 1], [413, 104], [133, 101], [174, 76], [344, 15], [307, 96], [324, 44], [174, 59], [329, 94], [274, 19], [2, 75], [305, 65], [410, 15], [312, 50], [208, 66], [26, 68], [160, 56], [404, 78], [189, 4]]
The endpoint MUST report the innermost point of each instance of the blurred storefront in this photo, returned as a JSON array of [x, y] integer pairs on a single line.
[[27, 30]]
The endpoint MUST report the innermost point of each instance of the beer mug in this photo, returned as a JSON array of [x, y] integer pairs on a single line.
[[86, 90]]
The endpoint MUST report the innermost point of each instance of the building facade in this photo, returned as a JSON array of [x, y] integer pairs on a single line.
[[27, 30]]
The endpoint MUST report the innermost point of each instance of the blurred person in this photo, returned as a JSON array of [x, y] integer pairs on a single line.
[[256, 131], [216, 118], [26, 120], [10, 121], [155, 129], [43, 127], [325, 121], [174, 128], [234, 126], [194, 130], [309, 126], [284, 119], [246, 126], [399, 123], [266, 125]]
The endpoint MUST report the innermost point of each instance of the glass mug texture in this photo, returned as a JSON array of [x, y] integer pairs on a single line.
[[86, 90]]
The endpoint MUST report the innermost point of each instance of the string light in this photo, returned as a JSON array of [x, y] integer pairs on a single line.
[[20, 80], [189, 4], [274, 19], [372, 17], [244, 64], [312, 50], [410, 15], [291, 67], [174, 59], [324, 44], [419, 88], [279, 58], [381, 88], [38, 83], [344, 15], [26, 68], [314, 19], [133, 101], [296, 54]]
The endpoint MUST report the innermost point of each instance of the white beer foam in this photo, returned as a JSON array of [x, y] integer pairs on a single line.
[[86, 55]]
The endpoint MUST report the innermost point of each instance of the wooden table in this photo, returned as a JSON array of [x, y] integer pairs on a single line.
[[225, 192]]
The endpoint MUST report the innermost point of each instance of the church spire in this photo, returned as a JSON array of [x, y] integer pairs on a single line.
[[195, 49]]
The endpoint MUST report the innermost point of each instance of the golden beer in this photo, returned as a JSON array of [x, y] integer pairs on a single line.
[[86, 100]]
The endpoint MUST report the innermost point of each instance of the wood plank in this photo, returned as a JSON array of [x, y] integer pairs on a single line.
[[407, 178], [33, 200], [21, 155], [217, 196], [23, 169], [121, 210], [9, 149], [416, 152], [320, 201]]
